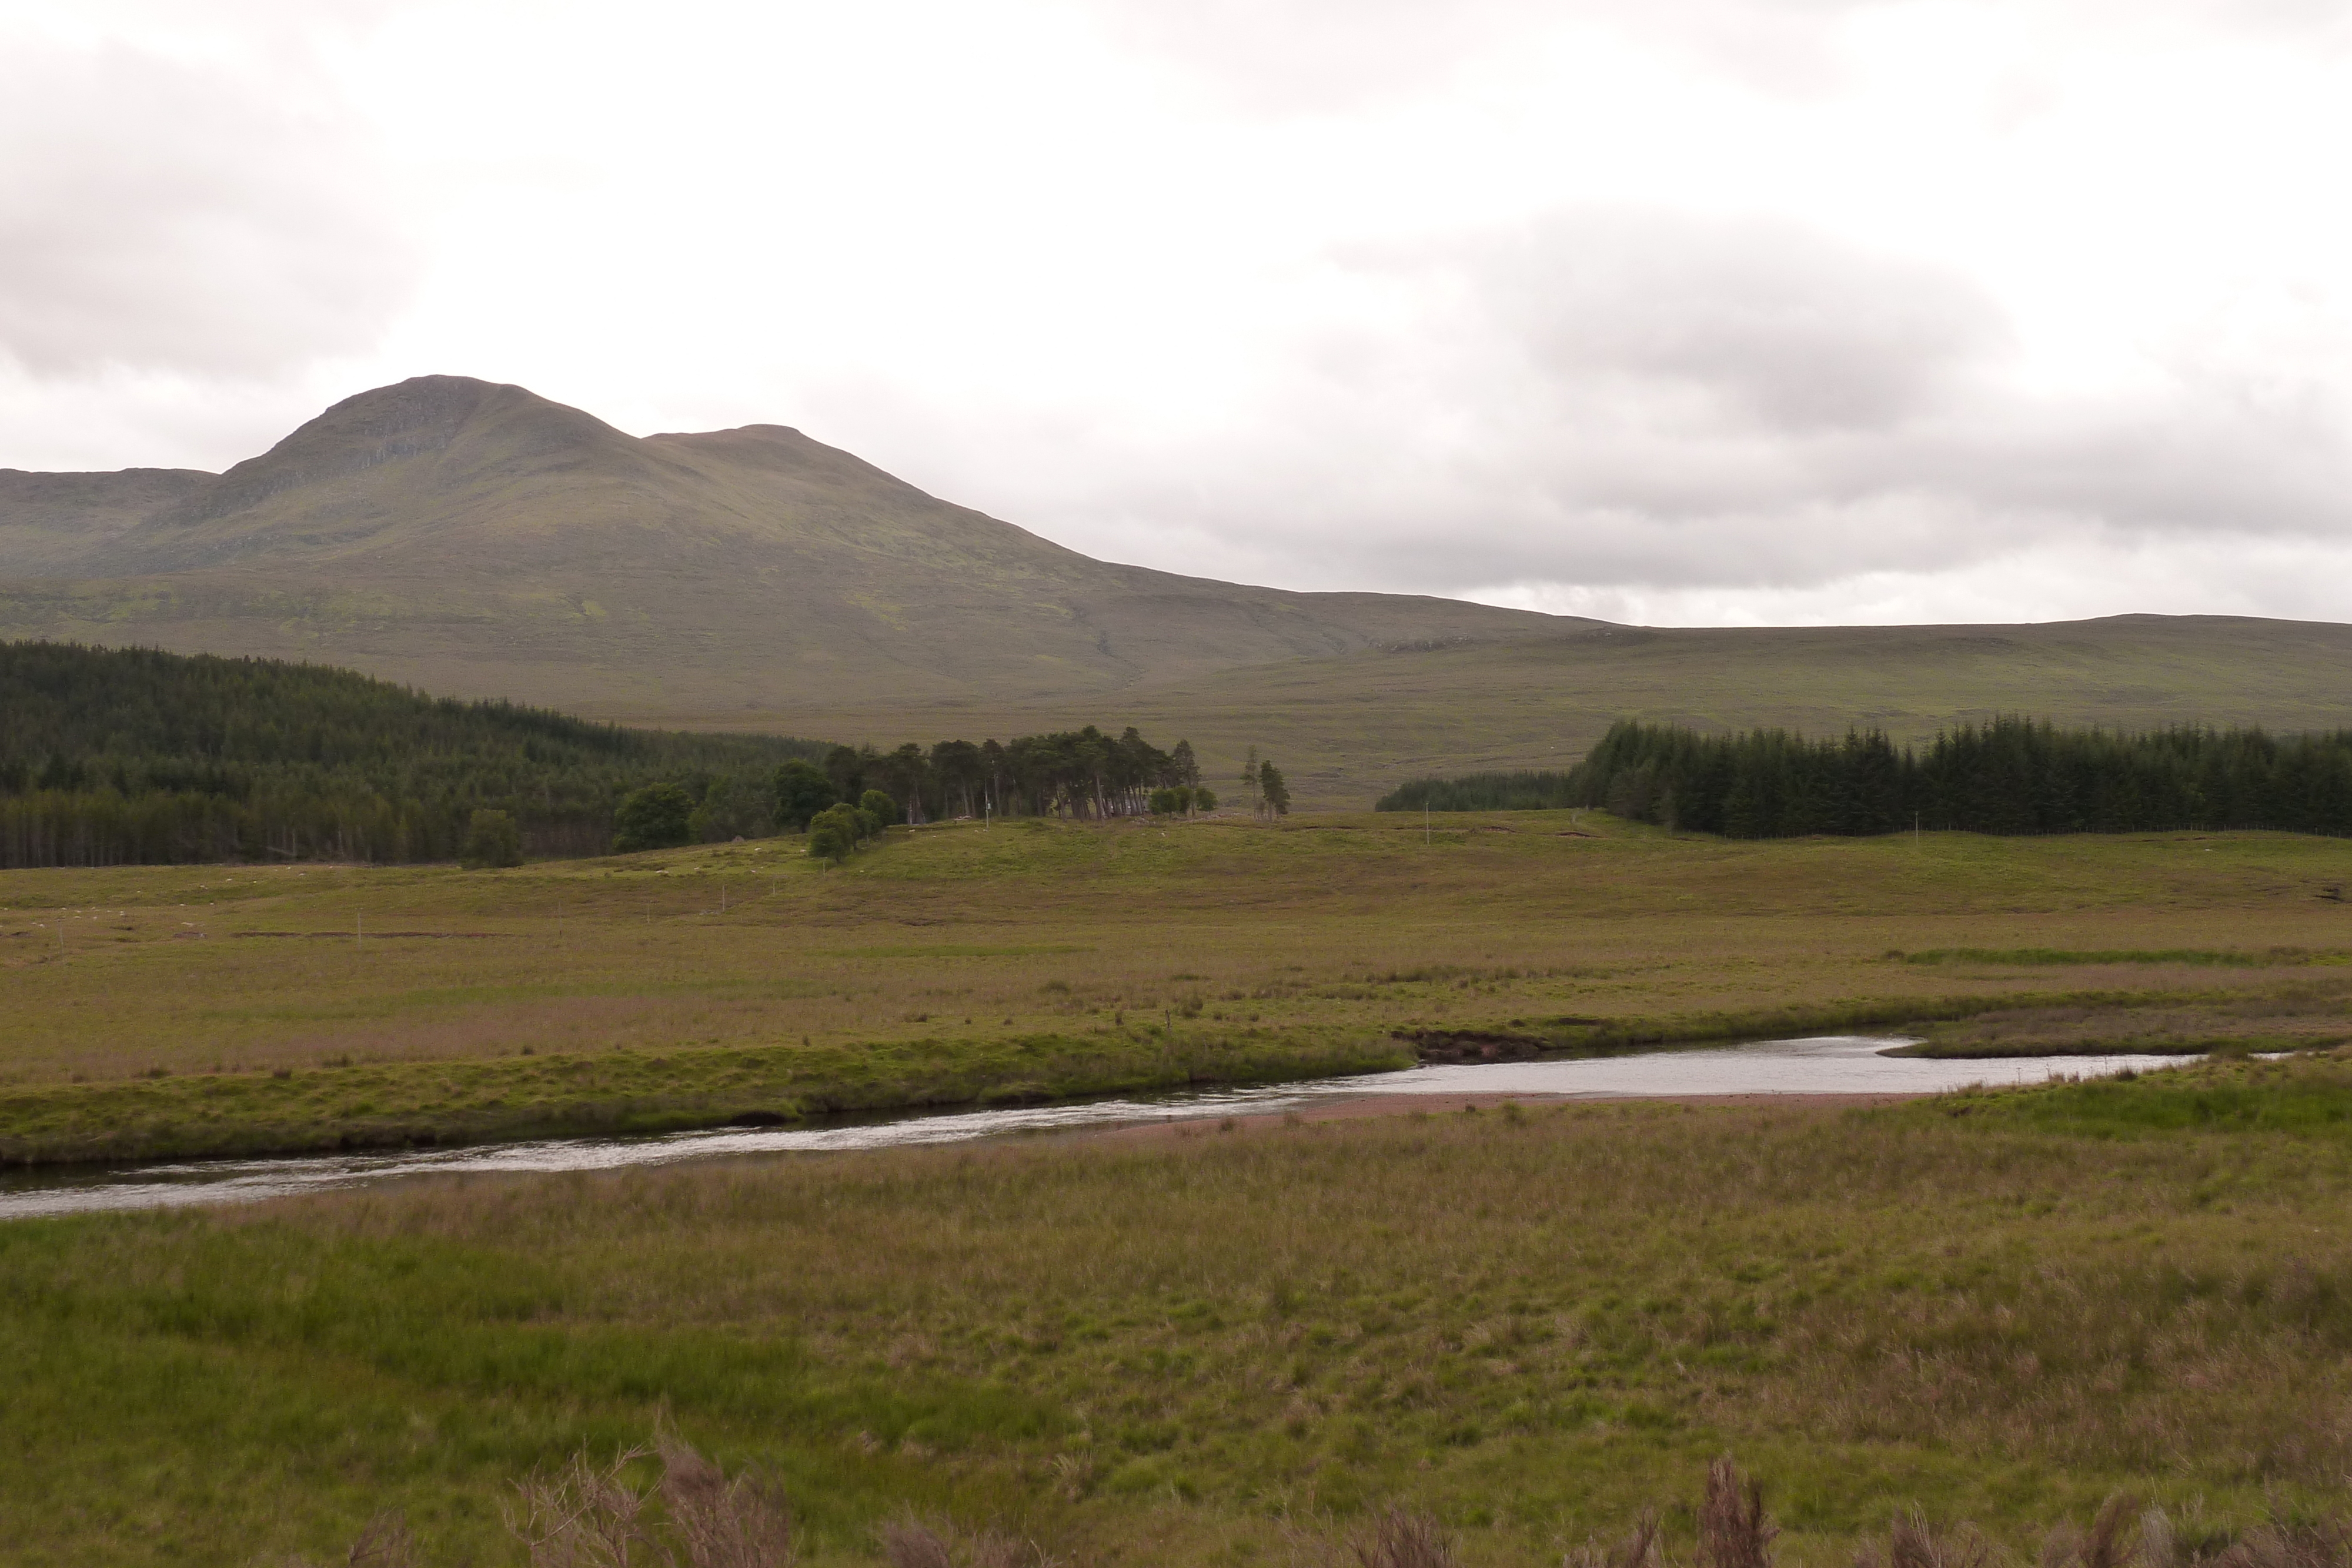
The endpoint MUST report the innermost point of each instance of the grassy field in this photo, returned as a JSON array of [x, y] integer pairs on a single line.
[[1218, 1346], [214, 1009]]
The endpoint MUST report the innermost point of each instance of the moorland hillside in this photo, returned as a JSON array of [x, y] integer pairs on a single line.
[[1349, 727], [481, 540]]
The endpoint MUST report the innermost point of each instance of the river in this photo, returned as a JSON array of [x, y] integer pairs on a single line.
[[1834, 1064]]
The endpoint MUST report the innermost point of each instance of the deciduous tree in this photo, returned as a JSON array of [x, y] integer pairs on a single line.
[[802, 790], [658, 817]]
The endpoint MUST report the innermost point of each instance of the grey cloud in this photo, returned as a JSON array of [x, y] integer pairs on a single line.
[[156, 215], [1616, 399], [1726, 403], [1776, 324]]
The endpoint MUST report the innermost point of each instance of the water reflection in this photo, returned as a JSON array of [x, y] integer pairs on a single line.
[[1838, 1064]]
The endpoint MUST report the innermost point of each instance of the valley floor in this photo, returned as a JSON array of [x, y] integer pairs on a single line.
[[159, 1011]]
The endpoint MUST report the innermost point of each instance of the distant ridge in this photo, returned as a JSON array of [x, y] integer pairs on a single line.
[[477, 537]]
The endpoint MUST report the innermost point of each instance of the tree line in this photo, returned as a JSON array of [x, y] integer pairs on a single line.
[[1519, 791], [2009, 775], [135, 756], [840, 801], [1081, 774]]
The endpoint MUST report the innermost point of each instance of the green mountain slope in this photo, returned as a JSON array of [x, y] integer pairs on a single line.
[[50, 521], [479, 539]]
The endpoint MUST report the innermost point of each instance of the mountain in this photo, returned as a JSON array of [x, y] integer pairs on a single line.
[[478, 540]]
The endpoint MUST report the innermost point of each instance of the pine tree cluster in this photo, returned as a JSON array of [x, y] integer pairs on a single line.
[[135, 756], [2009, 775]]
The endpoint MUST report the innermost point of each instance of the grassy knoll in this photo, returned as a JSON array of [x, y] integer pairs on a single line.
[[1174, 1349], [158, 1009]]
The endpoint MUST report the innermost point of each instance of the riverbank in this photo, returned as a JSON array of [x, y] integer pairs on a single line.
[[383, 1106], [397, 1105], [1370, 1107]]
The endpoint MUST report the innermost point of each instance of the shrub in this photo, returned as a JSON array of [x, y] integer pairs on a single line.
[[834, 831]]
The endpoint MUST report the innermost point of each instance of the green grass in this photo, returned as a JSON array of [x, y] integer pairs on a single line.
[[408, 1104], [1184, 1348], [157, 1010], [2309, 1100]]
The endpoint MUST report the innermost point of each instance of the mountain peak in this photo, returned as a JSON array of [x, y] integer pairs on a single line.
[[427, 413], [476, 425]]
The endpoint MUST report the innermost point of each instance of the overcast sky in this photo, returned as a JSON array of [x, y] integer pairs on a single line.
[[1681, 311]]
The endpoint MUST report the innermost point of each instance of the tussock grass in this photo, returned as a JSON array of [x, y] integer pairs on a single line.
[[593, 1513], [1527, 1329]]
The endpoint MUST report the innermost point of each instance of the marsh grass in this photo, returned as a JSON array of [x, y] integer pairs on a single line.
[[350, 1106], [1733, 1529], [963, 963], [2310, 1097], [2294, 1015], [1402, 1538], [1525, 1328]]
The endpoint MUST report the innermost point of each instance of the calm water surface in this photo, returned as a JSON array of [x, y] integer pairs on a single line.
[[1833, 1065]]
